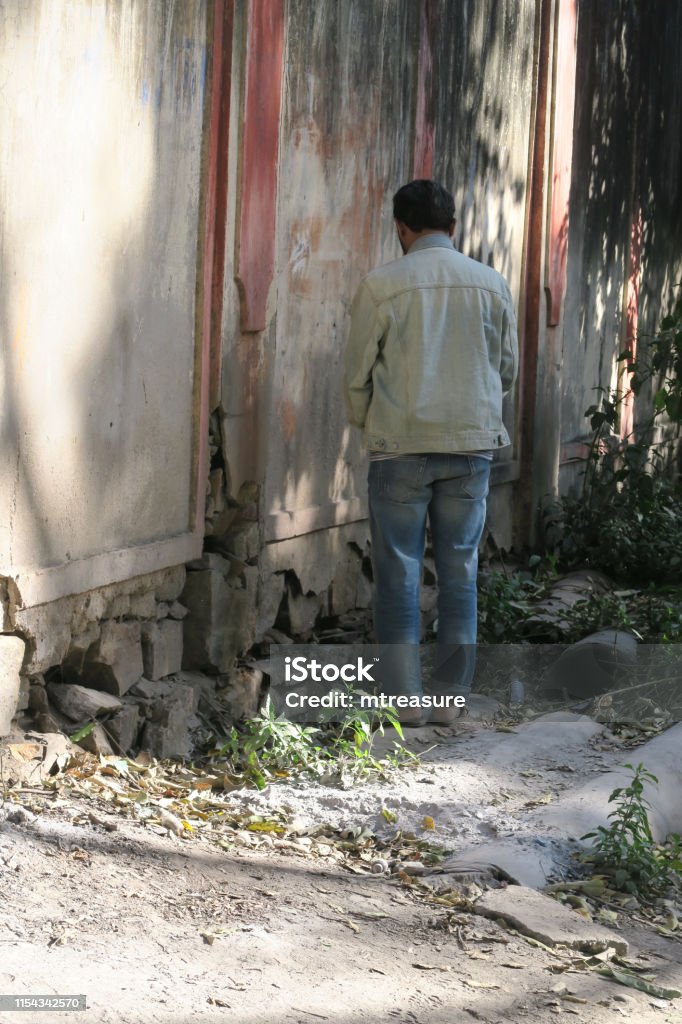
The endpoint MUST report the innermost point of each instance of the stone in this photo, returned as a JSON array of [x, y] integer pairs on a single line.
[[270, 592], [118, 606], [216, 478], [170, 583], [177, 610], [303, 611], [48, 629], [276, 636], [37, 698], [97, 742], [124, 727], [344, 583], [548, 921], [242, 692], [162, 610], [209, 560], [244, 541], [12, 651], [114, 664], [161, 648], [166, 733], [24, 686], [143, 606], [45, 721], [202, 686], [221, 620], [148, 690], [80, 703], [73, 664]]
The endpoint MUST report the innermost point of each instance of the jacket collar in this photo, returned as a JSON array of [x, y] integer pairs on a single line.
[[437, 239]]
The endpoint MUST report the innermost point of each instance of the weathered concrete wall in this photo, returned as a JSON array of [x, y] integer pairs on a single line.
[[100, 135], [626, 203], [348, 140]]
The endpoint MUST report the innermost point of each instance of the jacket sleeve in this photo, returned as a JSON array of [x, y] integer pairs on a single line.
[[367, 332], [509, 357]]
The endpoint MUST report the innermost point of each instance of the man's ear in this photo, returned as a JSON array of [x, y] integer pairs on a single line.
[[451, 229]]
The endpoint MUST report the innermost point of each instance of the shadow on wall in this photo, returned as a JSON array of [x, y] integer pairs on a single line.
[[93, 279], [626, 198], [483, 67], [346, 146]]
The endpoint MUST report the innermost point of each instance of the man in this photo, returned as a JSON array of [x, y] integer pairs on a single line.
[[431, 353]]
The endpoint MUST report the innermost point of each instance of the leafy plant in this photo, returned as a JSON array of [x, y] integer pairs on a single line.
[[626, 851], [628, 517], [504, 605], [270, 746]]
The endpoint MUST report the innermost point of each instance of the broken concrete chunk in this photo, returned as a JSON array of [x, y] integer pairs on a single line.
[[302, 610], [150, 690], [114, 664], [12, 650], [276, 636], [222, 617], [170, 583], [200, 684], [243, 541], [162, 648], [124, 727], [79, 703], [177, 610], [270, 594], [48, 628], [345, 583], [119, 606], [97, 742], [166, 734], [542, 918], [23, 698], [37, 699], [216, 489], [242, 691], [143, 606], [73, 664]]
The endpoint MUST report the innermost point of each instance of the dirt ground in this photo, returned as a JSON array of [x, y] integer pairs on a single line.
[[154, 926]]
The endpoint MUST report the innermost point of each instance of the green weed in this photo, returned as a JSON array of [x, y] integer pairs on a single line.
[[626, 851], [270, 746]]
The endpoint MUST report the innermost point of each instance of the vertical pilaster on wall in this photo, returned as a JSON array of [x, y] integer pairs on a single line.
[[221, 91], [260, 150], [547, 444], [525, 507], [424, 126], [562, 153], [207, 365]]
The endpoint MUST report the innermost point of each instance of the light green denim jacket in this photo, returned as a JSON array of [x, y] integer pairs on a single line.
[[432, 351]]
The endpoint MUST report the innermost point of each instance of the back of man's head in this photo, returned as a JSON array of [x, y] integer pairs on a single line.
[[424, 205]]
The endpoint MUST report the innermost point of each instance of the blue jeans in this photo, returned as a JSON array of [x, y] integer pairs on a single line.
[[451, 490]]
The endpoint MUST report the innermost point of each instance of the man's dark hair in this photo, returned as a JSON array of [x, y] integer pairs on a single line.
[[424, 204]]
